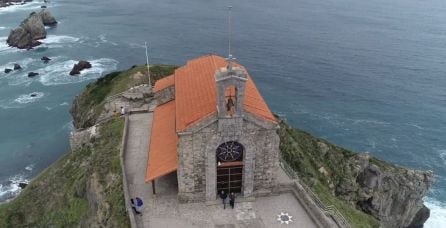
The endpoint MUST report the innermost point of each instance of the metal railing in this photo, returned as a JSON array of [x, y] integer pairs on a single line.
[[329, 210]]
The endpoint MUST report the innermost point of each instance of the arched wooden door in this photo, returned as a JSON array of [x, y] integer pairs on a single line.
[[230, 167]]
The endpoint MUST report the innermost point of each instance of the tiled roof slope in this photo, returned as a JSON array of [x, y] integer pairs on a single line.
[[195, 92], [164, 83], [163, 157]]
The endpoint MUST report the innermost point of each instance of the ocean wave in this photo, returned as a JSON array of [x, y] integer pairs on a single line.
[[23, 63], [442, 154], [3, 28], [58, 73], [20, 101], [29, 168], [11, 188], [57, 41], [4, 47], [68, 126], [34, 5], [54, 39], [437, 214], [103, 39], [135, 45], [29, 98]]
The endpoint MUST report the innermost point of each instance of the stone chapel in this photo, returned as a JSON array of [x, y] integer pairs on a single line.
[[212, 127]]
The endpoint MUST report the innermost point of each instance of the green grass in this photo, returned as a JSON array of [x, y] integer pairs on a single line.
[[62, 195], [90, 103], [356, 218], [302, 152], [83, 188]]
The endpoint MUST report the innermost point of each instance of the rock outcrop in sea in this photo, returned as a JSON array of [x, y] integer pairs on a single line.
[[47, 18], [31, 30], [80, 66]]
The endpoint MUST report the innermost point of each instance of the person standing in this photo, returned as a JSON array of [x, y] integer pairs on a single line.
[[122, 110], [223, 197], [232, 200], [135, 208]]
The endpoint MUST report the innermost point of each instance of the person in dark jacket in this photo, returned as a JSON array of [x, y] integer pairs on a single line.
[[223, 197], [232, 200], [135, 208]]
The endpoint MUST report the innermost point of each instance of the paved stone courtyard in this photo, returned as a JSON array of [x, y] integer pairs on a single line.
[[164, 211]]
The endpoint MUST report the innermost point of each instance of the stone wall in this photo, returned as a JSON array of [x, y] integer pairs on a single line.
[[165, 95], [197, 156]]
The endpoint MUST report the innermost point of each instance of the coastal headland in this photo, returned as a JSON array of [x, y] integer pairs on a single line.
[[84, 187]]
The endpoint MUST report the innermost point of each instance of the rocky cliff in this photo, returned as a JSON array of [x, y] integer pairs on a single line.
[[391, 194], [31, 30]]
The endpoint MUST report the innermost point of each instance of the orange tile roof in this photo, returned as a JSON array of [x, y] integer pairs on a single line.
[[163, 158], [195, 92], [195, 99], [164, 83]]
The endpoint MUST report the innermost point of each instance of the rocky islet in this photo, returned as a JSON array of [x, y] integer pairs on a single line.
[[31, 30]]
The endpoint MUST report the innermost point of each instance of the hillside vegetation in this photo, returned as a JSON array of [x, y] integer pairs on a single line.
[[89, 104], [368, 192], [84, 187]]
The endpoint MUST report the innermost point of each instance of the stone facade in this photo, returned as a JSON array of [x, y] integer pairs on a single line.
[[197, 156]]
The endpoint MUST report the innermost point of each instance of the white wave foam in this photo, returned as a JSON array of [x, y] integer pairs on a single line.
[[64, 104], [133, 45], [34, 5], [53, 39], [437, 217], [368, 121], [29, 168], [29, 98], [23, 63], [103, 39], [3, 28], [5, 48], [68, 126], [442, 154], [12, 189], [58, 73]]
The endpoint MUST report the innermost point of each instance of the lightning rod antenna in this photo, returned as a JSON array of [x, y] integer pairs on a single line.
[[148, 66], [229, 38]]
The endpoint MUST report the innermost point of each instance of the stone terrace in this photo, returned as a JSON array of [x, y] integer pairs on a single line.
[[163, 209]]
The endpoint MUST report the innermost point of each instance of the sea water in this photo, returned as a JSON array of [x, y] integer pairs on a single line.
[[367, 75]]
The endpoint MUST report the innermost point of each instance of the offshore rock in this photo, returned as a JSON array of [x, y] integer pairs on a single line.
[[45, 59], [77, 68], [32, 74], [7, 70], [26, 36], [17, 67], [47, 18], [31, 30]]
